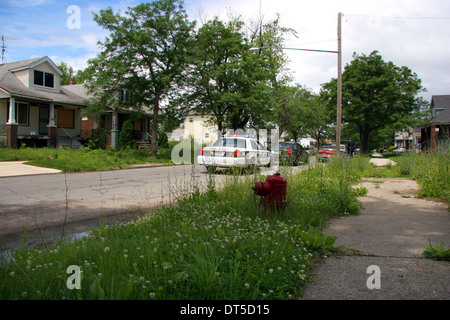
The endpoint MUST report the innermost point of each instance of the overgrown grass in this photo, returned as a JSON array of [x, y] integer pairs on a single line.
[[216, 244], [69, 160], [429, 169]]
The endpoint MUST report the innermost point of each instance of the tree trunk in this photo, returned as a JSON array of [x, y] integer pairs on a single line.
[[364, 137]]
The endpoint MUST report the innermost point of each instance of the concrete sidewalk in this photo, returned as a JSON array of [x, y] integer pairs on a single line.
[[19, 168], [379, 160], [388, 235]]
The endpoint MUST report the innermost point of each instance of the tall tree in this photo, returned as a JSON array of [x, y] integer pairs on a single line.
[[144, 56], [226, 79], [294, 110], [376, 94]]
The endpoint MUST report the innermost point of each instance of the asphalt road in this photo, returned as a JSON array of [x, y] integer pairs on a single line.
[[43, 204]]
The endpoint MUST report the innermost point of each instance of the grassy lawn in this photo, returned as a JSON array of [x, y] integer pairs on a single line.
[[219, 244], [83, 160]]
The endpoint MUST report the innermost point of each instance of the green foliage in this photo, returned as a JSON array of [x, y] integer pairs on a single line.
[[319, 242], [361, 192], [229, 81], [376, 95], [68, 73], [126, 135], [437, 253], [99, 139], [132, 70], [431, 170], [163, 140], [298, 112]]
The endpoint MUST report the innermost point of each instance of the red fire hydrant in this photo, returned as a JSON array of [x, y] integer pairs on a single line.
[[272, 192]]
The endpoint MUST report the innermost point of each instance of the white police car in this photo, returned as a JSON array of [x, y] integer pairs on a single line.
[[234, 151]]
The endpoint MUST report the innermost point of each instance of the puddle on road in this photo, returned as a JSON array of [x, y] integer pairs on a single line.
[[73, 232]]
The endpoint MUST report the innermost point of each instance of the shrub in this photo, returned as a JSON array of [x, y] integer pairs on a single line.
[[126, 135]]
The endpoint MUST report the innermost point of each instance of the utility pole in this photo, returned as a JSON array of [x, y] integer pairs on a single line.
[[339, 89]]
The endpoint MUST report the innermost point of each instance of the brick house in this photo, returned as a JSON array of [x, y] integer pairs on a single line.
[[437, 134]]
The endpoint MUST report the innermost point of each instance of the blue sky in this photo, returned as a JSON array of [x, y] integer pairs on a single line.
[[411, 33]]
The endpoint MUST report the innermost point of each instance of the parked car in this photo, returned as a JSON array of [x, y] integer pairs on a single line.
[[326, 151], [292, 153], [235, 151], [400, 150]]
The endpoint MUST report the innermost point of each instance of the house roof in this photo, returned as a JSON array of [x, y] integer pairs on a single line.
[[441, 102], [82, 91], [12, 85], [30, 63]]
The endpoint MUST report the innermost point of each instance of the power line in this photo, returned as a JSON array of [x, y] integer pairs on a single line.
[[392, 17]]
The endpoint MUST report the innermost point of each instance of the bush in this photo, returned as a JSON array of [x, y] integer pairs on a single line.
[[99, 139], [126, 135]]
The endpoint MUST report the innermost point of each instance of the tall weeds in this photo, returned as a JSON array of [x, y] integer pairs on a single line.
[[431, 170]]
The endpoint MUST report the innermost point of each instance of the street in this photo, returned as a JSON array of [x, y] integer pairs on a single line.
[[45, 205], [42, 204]]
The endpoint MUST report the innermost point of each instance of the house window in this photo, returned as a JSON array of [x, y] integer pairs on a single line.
[[206, 135], [122, 95], [22, 113], [66, 118], [44, 79], [191, 119]]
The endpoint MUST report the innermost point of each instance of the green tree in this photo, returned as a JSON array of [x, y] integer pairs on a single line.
[[296, 111], [142, 59], [68, 73], [376, 95], [227, 80]]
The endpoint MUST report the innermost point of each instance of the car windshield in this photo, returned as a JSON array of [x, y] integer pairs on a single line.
[[329, 147], [230, 142]]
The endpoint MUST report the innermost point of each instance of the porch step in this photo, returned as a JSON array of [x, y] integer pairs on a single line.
[[144, 144]]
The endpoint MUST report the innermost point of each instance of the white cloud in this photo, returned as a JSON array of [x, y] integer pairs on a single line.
[[391, 27], [76, 62], [27, 3], [400, 30]]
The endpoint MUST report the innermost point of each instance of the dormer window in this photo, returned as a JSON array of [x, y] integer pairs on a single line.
[[44, 79]]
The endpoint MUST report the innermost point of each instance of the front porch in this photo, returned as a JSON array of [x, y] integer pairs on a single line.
[[113, 121], [36, 123]]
